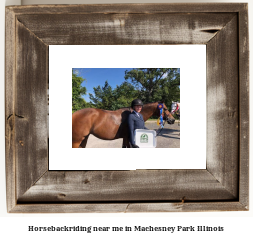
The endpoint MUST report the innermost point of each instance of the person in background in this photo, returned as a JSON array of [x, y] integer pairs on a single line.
[[135, 121], [177, 110]]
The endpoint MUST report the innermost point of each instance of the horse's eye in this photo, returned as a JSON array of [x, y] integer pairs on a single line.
[[165, 109]]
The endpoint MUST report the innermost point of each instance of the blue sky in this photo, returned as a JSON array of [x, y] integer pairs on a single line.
[[97, 76]]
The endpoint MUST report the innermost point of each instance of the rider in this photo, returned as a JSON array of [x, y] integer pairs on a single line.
[[135, 121]]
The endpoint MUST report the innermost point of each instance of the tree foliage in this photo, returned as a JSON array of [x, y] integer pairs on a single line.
[[103, 97], [155, 84], [112, 99], [148, 84], [77, 91]]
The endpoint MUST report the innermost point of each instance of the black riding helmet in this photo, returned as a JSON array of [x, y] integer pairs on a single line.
[[136, 102]]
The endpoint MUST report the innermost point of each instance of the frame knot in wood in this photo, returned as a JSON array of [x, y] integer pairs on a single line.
[[21, 143], [61, 195], [86, 181], [183, 199]]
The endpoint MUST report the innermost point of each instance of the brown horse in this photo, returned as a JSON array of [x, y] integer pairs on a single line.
[[109, 125]]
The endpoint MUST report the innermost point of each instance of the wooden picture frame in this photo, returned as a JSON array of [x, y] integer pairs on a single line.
[[222, 186]]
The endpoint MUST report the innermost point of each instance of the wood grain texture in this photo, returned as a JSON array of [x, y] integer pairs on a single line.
[[223, 186], [128, 207], [10, 65], [122, 29], [140, 185], [186, 207], [244, 106], [222, 107], [154, 8], [30, 108]]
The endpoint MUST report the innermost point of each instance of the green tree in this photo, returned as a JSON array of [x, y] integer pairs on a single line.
[[124, 94], [112, 99], [77, 91], [156, 84], [170, 87], [103, 97]]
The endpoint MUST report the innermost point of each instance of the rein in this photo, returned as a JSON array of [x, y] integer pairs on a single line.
[[161, 127]]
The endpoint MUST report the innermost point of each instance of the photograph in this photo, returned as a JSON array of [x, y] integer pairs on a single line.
[[54, 58], [112, 101], [125, 107]]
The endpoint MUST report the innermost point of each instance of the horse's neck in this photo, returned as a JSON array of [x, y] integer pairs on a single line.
[[148, 110]]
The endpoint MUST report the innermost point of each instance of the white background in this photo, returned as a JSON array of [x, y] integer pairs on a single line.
[[192, 151], [237, 224]]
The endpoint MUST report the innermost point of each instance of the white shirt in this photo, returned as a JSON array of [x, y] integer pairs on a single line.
[[137, 113]]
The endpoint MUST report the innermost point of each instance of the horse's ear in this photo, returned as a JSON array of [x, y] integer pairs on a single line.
[[160, 102]]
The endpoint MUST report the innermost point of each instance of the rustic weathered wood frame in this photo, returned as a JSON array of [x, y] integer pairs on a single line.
[[222, 186]]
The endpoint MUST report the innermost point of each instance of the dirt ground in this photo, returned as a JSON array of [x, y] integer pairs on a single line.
[[168, 138]]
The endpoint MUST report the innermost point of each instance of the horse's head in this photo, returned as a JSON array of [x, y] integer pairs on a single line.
[[166, 114]]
